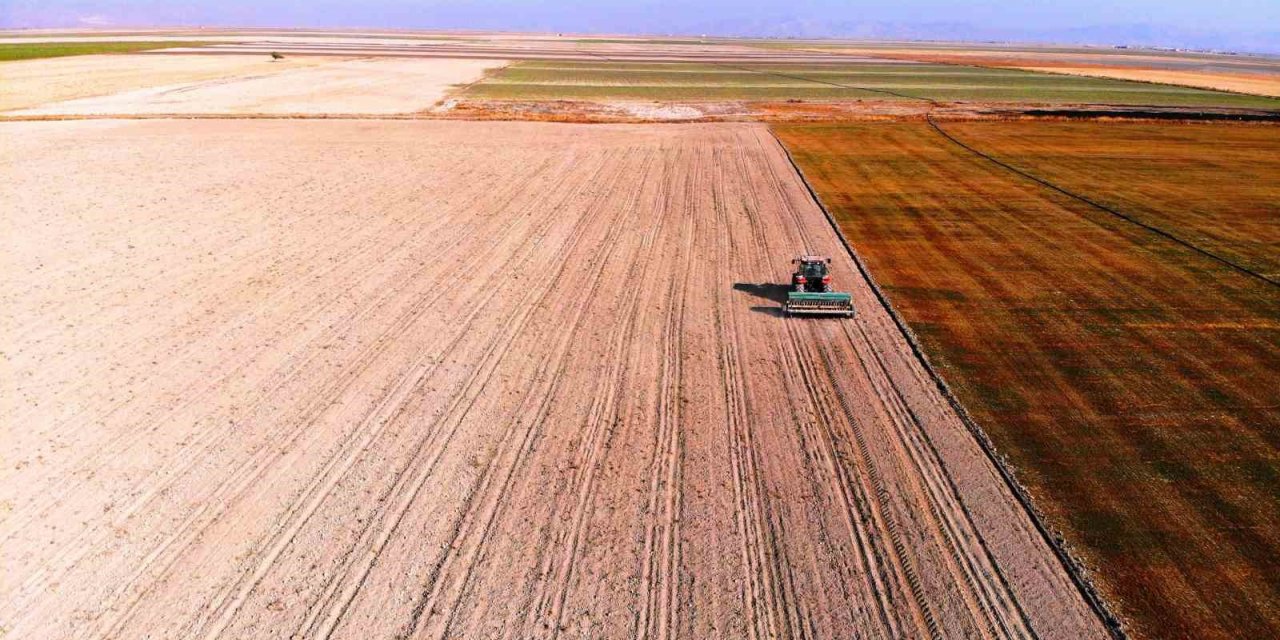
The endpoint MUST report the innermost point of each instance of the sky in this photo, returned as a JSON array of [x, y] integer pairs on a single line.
[[1224, 24]]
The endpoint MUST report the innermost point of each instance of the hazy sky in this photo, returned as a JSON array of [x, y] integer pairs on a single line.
[[1243, 20]]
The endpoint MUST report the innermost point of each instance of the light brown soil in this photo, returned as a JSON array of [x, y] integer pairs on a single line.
[[331, 86], [443, 379], [1258, 76], [1258, 84], [30, 83]]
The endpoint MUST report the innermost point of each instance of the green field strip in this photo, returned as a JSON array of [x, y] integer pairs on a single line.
[[30, 51]]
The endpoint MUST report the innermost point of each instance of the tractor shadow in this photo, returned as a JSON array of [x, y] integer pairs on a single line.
[[775, 293]]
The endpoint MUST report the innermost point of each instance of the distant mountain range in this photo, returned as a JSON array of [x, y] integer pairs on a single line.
[[638, 19], [1119, 34]]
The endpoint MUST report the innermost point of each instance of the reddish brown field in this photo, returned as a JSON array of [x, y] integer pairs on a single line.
[[353, 379], [1216, 186], [1133, 381]]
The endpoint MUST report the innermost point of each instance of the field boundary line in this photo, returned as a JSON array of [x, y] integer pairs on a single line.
[[1078, 573], [1098, 205]]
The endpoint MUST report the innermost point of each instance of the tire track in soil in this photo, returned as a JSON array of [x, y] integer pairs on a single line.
[[834, 491], [609, 246], [941, 504], [150, 427], [247, 477], [332, 476], [762, 536], [243, 478], [1006, 616], [433, 447], [747, 496], [879, 513], [602, 419], [743, 452], [659, 581]]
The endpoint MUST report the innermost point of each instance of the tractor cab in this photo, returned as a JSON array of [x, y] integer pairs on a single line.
[[812, 275]]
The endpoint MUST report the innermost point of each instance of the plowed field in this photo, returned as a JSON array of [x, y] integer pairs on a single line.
[[430, 379]]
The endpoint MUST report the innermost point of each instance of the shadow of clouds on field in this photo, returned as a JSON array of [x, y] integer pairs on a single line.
[[768, 291]]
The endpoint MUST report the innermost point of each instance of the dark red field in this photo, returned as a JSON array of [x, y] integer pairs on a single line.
[[1132, 380]]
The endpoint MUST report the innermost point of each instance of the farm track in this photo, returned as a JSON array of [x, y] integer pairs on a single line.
[[429, 379]]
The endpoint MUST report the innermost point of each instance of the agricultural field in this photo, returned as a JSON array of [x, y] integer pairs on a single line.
[[1254, 74], [866, 80], [331, 85], [1157, 174], [33, 50], [446, 379], [1130, 378], [321, 344]]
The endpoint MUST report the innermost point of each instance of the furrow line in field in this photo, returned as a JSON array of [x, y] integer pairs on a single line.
[[235, 482], [491, 502], [228, 493], [296, 365], [602, 420], [734, 386], [922, 610], [978, 569], [759, 263], [658, 578], [326, 614], [669, 608]]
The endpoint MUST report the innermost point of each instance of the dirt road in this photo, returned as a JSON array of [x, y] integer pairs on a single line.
[[441, 379]]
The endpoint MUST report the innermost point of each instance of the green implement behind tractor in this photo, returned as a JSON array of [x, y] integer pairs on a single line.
[[811, 292]]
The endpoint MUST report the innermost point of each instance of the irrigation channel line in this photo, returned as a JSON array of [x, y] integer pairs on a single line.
[[1026, 174]]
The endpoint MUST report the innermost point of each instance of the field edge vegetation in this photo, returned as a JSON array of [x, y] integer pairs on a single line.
[[34, 50]]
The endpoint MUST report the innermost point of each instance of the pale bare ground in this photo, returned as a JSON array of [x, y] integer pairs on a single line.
[[31, 83], [407, 44], [1241, 74], [1257, 84], [342, 378], [334, 86]]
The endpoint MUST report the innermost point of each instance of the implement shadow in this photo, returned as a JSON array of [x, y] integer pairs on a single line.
[[775, 293]]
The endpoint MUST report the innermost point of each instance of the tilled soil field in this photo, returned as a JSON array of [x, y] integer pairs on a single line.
[[436, 379], [286, 87]]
